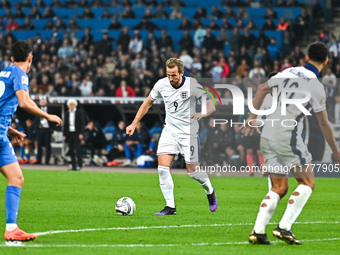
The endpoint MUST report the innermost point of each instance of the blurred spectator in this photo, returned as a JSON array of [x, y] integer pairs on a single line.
[[5, 4], [235, 41], [230, 14], [257, 72], [286, 64], [164, 41], [65, 50], [87, 39], [34, 13], [201, 13], [273, 50], [87, 14], [73, 25], [124, 90], [213, 25], [94, 139], [186, 42], [151, 41], [124, 40], [104, 46], [337, 110], [269, 25], [12, 25], [28, 25], [86, 86], [262, 41], [199, 36], [209, 41], [59, 24], [137, 143], [128, 13], [160, 13], [176, 13], [243, 67], [148, 14], [118, 143], [74, 127], [56, 4], [251, 25], [283, 25], [48, 13], [186, 24], [8, 14], [215, 13], [71, 4], [242, 14], [302, 23], [270, 14], [106, 14], [187, 60], [40, 4], [328, 78], [19, 14], [115, 24], [136, 43], [145, 24], [44, 130], [222, 39]]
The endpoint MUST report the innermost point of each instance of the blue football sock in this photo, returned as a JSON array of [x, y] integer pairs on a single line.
[[28, 156], [152, 145], [12, 199], [22, 152]]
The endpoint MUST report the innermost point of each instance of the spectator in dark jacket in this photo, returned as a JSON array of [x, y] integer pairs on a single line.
[[118, 143], [94, 139]]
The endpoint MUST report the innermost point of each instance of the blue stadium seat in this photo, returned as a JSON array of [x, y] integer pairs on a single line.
[[167, 24]]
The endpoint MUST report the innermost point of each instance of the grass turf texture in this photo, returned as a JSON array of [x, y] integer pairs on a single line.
[[55, 200]]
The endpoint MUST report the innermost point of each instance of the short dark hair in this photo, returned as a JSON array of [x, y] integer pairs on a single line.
[[318, 52], [21, 51]]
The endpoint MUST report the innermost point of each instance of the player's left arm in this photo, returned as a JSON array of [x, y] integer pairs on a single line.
[[327, 131], [16, 135], [260, 95], [30, 106], [210, 109]]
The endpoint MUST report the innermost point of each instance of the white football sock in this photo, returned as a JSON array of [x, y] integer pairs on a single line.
[[167, 185], [296, 202], [203, 179], [266, 212], [11, 226]]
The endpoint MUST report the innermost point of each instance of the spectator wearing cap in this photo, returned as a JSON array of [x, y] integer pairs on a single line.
[[74, 127]]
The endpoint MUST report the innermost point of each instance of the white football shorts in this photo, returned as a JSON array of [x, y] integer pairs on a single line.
[[187, 147], [281, 156]]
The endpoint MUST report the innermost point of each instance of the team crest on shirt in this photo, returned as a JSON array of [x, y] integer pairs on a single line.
[[184, 94], [24, 80], [323, 100]]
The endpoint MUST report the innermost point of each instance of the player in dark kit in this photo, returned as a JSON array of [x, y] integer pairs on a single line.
[[13, 92]]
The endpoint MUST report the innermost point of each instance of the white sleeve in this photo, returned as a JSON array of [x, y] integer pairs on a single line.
[[196, 88], [274, 80], [318, 97], [155, 93]]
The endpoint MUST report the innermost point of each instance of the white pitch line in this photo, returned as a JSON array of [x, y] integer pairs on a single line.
[[52, 232], [147, 245]]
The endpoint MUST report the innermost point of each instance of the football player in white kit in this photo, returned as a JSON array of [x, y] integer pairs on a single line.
[[180, 132], [283, 147]]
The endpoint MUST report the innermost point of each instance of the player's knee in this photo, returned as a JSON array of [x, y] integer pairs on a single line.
[[17, 181], [281, 190]]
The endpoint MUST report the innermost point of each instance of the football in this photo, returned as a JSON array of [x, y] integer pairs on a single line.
[[125, 206]]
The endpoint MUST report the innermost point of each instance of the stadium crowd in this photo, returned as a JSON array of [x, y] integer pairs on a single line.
[[128, 66]]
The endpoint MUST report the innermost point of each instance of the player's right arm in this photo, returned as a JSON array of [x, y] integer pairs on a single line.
[[26, 103], [328, 133], [143, 109]]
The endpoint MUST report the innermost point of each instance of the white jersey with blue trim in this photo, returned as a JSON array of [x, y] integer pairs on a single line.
[[304, 78], [180, 104]]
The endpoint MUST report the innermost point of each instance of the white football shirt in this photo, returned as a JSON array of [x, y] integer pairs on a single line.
[[180, 104], [293, 78]]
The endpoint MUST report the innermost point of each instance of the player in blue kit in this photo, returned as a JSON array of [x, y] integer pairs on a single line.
[[13, 92]]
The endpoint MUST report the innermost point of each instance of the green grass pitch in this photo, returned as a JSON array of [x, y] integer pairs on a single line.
[[63, 200]]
